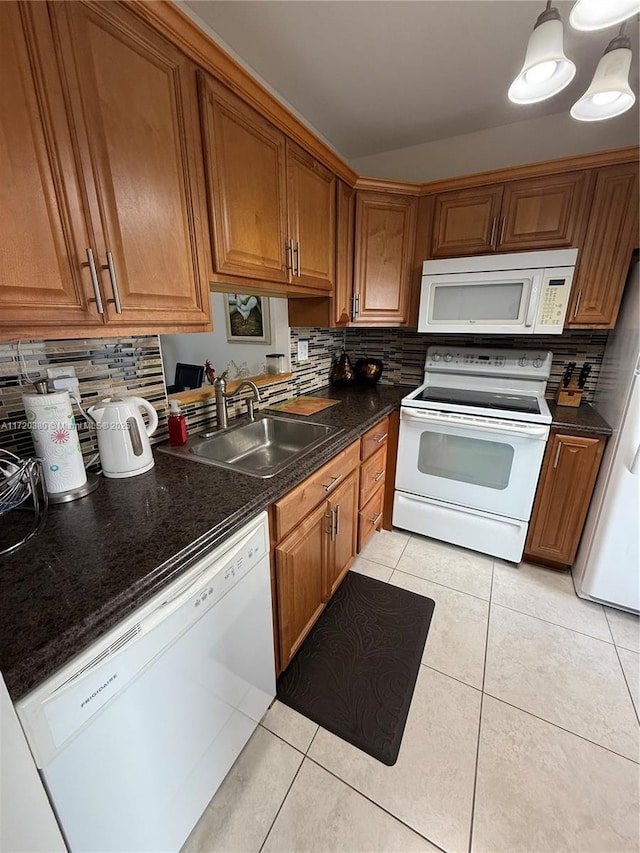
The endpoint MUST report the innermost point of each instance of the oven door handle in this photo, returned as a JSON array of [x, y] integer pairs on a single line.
[[533, 431]]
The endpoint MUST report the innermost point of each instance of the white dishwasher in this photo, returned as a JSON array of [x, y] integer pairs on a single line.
[[135, 735]]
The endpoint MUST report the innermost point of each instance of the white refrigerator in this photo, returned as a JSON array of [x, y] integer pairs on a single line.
[[607, 566]]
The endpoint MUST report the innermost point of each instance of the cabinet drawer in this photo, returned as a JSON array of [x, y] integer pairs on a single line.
[[293, 507], [370, 518], [374, 438], [372, 474]]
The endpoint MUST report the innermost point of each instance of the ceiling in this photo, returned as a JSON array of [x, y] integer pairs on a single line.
[[376, 75]]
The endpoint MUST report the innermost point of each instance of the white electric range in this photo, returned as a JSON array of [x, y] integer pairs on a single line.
[[471, 444]]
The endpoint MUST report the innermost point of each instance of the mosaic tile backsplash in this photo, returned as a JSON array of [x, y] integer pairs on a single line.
[[133, 366], [104, 367]]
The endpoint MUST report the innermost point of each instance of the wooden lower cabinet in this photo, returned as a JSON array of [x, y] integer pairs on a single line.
[[370, 518], [569, 472], [316, 524], [300, 561], [343, 519], [373, 470]]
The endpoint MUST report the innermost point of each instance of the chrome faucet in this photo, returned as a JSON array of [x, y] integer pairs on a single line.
[[222, 395]]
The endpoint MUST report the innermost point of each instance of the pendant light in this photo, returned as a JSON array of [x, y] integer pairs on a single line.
[[596, 15], [546, 70], [609, 94]]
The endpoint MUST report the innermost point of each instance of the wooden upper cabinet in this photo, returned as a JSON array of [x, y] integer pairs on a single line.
[[272, 205], [611, 236], [311, 202], [543, 213], [245, 160], [384, 241], [546, 212], [569, 472], [134, 107], [43, 232], [465, 222]]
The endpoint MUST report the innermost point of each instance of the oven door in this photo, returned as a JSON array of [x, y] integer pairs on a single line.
[[483, 463]]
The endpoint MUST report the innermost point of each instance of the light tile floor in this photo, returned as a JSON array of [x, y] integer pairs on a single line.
[[523, 732]]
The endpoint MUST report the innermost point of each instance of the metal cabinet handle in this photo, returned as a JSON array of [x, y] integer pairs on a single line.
[[378, 476], [336, 519], [381, 437], [575, 310], [298, 273], [494, 225], [114, 282], [504, 220], [334, 482], [90, 262], [375, 520], [290, 253], [557, 456]]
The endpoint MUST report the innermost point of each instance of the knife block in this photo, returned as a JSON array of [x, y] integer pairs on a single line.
[[569, 396]]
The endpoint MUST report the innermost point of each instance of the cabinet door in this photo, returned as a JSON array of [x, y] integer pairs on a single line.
[[311, 202], [43, 233], [246, 179], [610, 237], [135, 110], [343, 512], [465, 222], [300, 562], [346, 220], [543, 213], [385, 235], [569, 473]]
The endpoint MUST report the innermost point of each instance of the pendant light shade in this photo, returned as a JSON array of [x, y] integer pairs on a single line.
[[598, 14], [609, 94], [546, 70]]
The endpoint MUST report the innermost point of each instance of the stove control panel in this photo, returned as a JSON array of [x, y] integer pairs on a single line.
[[494, 362]]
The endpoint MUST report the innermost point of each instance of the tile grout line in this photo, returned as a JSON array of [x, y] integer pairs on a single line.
[[482, 694], [438, 583], [549, 622], [452, 677], [562, 729], [373, 802], [284, 799], [626, 681]]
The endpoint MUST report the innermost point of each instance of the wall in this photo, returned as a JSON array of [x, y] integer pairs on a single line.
[[133, 366], [198, 347], [104, 367], [403, 352], [522, 142]]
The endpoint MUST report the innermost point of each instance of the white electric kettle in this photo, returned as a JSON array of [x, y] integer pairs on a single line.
[[123, 437]]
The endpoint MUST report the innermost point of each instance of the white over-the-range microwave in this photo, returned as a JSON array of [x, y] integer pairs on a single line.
[[525, 293]]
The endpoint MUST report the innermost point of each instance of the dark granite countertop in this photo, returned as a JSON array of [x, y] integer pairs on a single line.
[[99, 558], [580, 419]]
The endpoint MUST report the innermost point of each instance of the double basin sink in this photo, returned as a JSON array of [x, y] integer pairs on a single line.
[[262, 448]]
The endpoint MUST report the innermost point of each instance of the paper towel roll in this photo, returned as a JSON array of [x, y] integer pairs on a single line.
[[55, 438]]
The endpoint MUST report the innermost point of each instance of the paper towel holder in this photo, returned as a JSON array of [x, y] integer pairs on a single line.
[[40, 387]]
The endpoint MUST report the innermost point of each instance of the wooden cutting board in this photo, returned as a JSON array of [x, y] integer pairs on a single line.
[[303, 405]]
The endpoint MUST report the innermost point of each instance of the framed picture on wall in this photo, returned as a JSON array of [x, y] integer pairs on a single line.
[[247, 318]]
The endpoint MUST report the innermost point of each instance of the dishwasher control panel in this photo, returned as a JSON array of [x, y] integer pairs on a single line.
[[241, 561]]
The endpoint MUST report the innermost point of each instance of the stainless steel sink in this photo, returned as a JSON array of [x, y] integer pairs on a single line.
[[260, 449]]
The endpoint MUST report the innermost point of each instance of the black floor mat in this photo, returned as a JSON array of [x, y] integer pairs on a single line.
[[355, 672]]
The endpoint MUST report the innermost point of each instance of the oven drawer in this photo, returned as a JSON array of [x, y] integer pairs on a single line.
[[481, 531]]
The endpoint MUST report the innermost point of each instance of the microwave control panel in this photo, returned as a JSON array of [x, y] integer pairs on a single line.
[[554, 300]]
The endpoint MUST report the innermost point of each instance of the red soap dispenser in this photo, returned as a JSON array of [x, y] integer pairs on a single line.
[[177, 425]]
